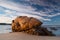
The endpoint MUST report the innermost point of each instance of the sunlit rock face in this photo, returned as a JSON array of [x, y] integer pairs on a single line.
[[29, 25], [24, 23]]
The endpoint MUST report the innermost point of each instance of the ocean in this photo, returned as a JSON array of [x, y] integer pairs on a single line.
[[5, 29], [8, 28]]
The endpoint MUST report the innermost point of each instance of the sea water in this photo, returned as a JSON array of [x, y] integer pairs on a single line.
[[5, 29]]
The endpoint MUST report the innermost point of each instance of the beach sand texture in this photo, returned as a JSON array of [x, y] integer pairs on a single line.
[[24, 36]]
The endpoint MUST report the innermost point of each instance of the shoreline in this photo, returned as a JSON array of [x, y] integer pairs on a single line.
[[24, 36]]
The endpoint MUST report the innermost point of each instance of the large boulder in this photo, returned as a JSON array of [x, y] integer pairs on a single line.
[[23, 23], [29, 25]]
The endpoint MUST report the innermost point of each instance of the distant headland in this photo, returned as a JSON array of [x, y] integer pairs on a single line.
[[5, 24]]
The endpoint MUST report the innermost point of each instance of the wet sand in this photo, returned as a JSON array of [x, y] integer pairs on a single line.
[[24, 36]]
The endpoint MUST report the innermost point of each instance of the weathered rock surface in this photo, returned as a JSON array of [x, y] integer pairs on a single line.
[[29, 25]]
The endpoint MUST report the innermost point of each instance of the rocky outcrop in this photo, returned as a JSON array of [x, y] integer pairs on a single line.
[[29, 25]]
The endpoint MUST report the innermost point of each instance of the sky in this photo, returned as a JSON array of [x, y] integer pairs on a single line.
[[47, 11]]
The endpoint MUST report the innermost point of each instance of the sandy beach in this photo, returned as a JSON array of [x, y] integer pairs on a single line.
[[24, 36]]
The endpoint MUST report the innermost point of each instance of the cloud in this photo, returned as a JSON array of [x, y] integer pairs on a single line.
[[4, 19], [49, 15], [17, 9], [28, 11], [8, 12], [54, 15]]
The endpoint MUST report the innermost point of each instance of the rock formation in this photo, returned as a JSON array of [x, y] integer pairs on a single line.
[[29, 25]]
